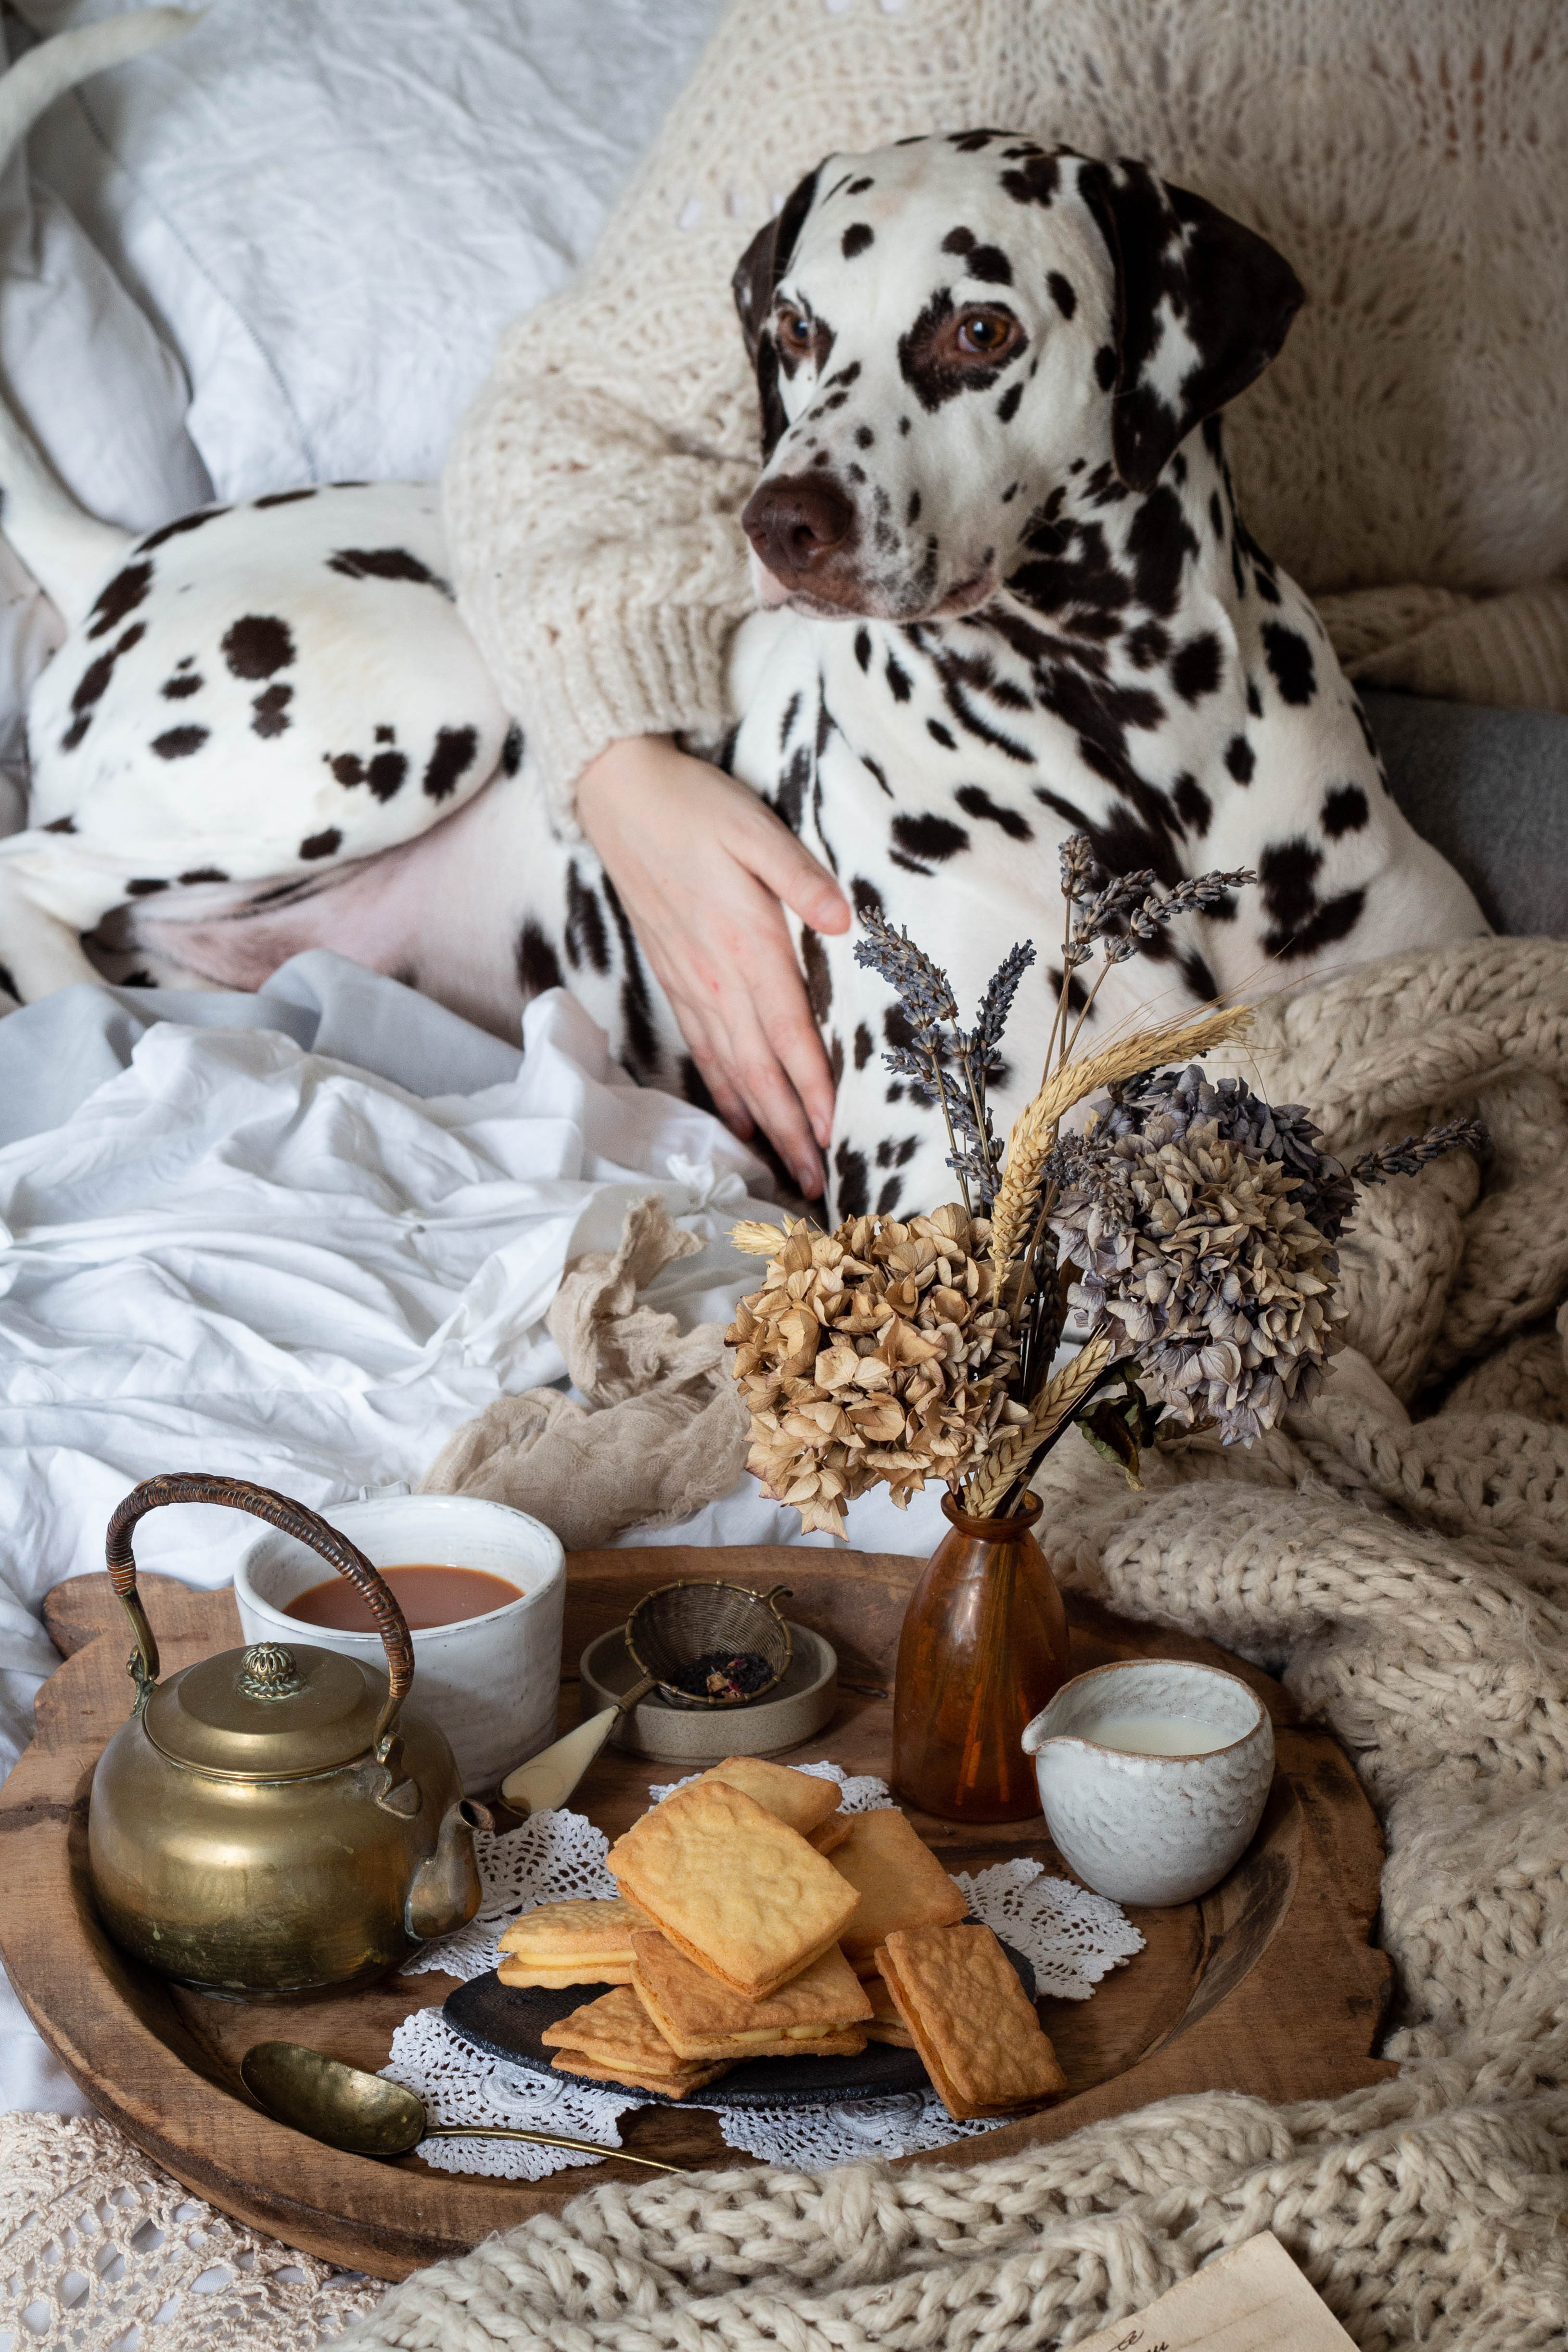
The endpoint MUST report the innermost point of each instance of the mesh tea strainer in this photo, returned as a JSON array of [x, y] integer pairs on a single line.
[[680, 1627], [675, 1634]]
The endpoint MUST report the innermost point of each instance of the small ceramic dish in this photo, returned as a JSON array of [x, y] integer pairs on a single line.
[[805, 1698], [1139, 1824]]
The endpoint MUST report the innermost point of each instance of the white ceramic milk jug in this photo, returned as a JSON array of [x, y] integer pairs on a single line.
[[1153, 1775]]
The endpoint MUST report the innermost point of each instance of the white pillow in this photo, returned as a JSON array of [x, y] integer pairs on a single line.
[[332, 207]]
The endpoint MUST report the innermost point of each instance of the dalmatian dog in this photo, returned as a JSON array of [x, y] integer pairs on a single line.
[[1004, 596]]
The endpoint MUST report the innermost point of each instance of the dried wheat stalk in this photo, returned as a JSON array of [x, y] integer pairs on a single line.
[[758, 1239], [1009, 1456], [1034, 1130]]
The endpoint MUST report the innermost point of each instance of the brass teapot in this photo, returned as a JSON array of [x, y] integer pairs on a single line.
[[272, 1822]]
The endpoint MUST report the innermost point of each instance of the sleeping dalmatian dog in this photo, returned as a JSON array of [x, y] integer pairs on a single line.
[[1006, 596]]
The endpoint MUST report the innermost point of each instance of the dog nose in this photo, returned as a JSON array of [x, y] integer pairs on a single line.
[[797, 522]]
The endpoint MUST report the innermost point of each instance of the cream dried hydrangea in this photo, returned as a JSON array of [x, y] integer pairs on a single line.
[[1200, 1260], [873, 1354]]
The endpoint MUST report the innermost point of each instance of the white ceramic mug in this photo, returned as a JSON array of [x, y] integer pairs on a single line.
[[1152, 1828], [491, 1682]]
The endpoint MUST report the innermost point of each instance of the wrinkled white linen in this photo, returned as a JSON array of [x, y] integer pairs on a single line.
[[241, 1256]]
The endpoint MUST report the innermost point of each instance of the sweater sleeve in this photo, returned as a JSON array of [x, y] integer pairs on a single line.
[[593, 490], [592, 510]]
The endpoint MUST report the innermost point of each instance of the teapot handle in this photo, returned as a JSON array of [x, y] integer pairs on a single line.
[[293, 1518]]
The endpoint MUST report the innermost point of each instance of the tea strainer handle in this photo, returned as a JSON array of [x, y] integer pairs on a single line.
[[291, 1519]]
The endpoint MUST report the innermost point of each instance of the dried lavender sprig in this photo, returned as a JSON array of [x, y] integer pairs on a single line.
[[1197, 895], [925, 993], [1142, 909], [998, 1000], [948, 1065], [921, 987], [1094, 918], [904, 1063], [1413, 1151], [979, 1054], [972, 1159], [1079, 866], [972, 1120]]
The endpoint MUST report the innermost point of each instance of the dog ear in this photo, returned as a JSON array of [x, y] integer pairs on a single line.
[[757, 278], [1202, 307]]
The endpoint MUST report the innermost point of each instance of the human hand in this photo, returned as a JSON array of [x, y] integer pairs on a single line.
[[705, 871]]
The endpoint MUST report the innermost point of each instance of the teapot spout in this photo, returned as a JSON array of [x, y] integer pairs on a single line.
[[445, 1891]]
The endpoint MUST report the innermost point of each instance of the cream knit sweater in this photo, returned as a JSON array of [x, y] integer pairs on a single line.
[[1410, 157]]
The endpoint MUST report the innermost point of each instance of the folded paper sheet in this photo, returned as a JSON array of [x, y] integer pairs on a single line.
[[1252, 2299]]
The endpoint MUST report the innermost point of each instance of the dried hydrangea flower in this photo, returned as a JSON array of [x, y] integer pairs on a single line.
[[873, 1354], [1218, 1283], [1165, 1103]]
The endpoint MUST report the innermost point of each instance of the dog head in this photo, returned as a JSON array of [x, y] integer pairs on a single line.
[[945, 331]]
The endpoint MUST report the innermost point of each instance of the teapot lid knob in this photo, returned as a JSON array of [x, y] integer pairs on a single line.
[[270, 1671]]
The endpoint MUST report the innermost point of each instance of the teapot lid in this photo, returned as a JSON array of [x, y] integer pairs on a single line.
[[268, 1713]]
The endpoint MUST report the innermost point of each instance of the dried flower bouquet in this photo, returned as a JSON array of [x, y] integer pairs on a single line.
[[1189, 1230]]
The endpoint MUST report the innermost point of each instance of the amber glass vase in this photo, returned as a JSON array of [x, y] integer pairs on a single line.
[[984, 1647]]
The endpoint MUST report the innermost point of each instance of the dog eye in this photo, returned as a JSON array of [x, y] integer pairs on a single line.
[[986, 334], [795, 329]]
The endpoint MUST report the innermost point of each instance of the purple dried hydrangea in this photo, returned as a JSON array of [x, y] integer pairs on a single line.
[[1163, 1104], [1203, 1255]]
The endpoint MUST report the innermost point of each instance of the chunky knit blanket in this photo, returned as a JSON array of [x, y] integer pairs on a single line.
[[1400, 1551]]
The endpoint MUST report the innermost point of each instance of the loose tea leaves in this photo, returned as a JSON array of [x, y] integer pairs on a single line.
[[724, 1674]]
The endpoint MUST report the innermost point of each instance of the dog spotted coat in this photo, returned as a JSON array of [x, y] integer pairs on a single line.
[[1007, 597]]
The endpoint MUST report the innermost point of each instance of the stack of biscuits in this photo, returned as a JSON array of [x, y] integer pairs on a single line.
[[757, 1920]]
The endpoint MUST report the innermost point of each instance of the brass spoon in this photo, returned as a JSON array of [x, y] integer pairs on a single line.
[[367, 2116]]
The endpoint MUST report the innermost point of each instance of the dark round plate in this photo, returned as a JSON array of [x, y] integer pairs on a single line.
[[507, 2020]]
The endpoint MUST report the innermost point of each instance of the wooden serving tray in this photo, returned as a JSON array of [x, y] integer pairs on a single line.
[[1269, 1985]]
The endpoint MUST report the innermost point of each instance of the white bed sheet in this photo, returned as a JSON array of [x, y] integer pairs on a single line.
[[238, 1252]]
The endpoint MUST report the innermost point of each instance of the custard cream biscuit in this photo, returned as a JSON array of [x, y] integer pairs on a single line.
[[668, 2086], [561, 1944], [822, 2013], [614, 2040], [900, 1883], [972, 2022], [798, 1798], [615, 2028], [733, 1888]]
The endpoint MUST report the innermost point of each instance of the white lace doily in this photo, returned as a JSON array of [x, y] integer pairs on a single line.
[[556, 1857], [1070, 1938]]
